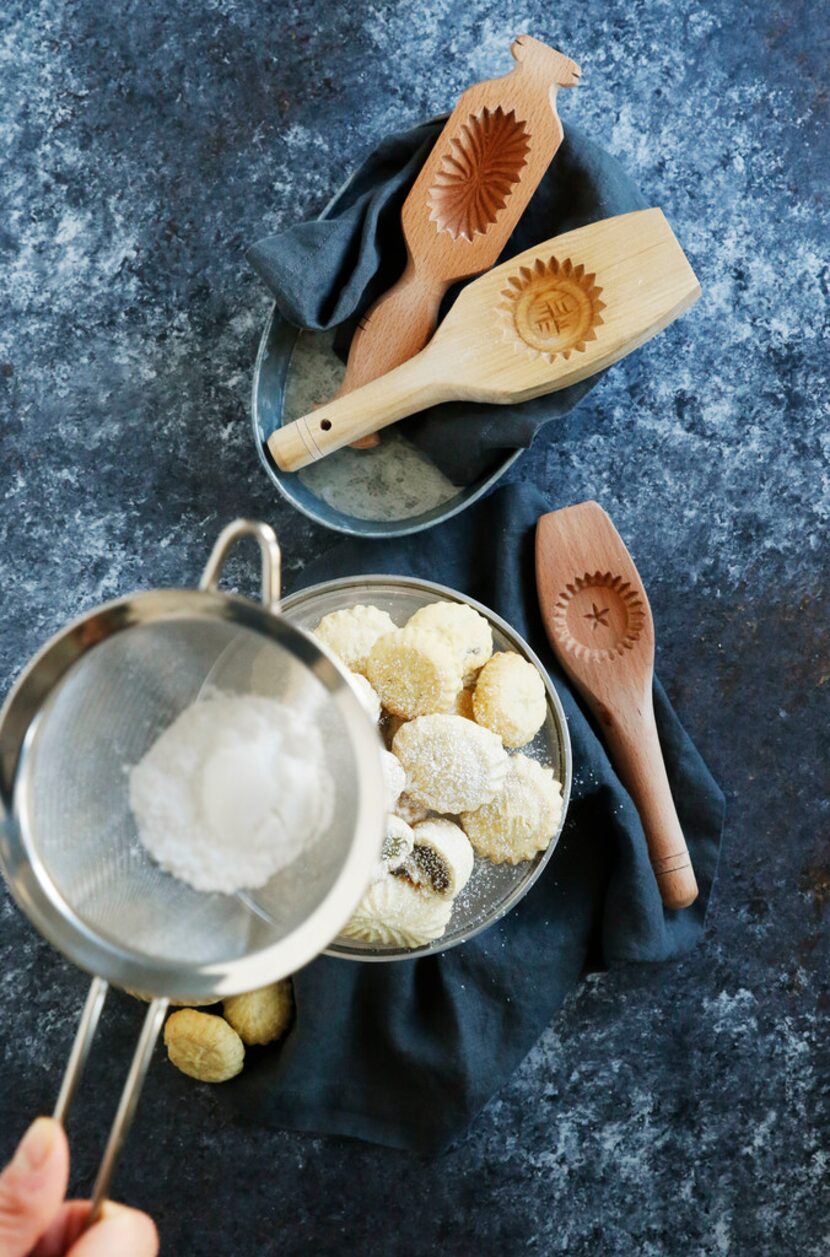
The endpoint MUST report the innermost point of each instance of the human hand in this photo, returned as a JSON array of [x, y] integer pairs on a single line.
[[36, 1221]]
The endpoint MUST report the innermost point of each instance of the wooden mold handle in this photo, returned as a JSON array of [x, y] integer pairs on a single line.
[[409, 310], [409, 388], [639, 760]]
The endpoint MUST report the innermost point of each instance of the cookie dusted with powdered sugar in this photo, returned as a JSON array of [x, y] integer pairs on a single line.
[[414, 672], [351, 633], [510, 699], [394, 913], [466, 631], [452, 765], [441, 859], [410, 811], [397, 848], [397, 845], [394, 779], [522, 819]]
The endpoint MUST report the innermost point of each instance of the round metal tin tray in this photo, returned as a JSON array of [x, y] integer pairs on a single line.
[[294, 371], [493, 889]]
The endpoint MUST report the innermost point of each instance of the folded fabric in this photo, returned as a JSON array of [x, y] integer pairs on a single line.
[[407, 1053], [326, 273]]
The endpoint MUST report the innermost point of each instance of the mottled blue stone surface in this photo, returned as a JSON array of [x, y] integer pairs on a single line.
[[675, 1110]]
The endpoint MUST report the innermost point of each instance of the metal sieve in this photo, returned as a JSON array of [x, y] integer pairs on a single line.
[[89, 706]]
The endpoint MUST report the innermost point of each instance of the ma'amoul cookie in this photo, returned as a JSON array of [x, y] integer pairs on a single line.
[[352, 632], [397, 846], [464, 704], [394, 913], [442, 858], [509, 698], [202, 1046], [414, 672], [410, 811], [394, 778], [521, 819], [261, 1016], [467, 632], [452, 765]]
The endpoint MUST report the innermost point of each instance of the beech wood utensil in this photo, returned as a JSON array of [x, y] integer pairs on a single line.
[[545, 319], [472, 190], [599, 624]]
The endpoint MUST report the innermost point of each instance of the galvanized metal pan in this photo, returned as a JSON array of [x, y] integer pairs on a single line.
[[493, 889], [389, 491]]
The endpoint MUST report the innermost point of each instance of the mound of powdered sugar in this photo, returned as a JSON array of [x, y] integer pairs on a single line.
[[234, 790]]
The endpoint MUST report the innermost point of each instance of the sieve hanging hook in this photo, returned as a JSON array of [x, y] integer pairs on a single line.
[[269, 549]]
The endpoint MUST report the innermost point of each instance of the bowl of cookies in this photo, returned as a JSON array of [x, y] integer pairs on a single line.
[[477, 758]]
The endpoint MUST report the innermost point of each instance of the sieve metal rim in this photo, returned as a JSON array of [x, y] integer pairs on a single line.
[[29, 882]]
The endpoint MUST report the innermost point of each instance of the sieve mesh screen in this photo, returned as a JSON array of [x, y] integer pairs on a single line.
[[100, 720]]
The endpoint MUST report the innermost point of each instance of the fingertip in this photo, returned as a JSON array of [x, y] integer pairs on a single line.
[[33, 1185], [42, 1147]]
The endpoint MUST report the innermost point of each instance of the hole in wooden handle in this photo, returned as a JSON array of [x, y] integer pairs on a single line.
[[325, 424]]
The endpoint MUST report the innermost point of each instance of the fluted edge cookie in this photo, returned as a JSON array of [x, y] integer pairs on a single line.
[[522, 819], [510, 699], [466, 630], [351, 633], [452, 765], [415, 673]]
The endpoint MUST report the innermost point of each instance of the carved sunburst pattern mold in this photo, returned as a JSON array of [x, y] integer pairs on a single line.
[[599, 616], [553, 306], [477, 173]]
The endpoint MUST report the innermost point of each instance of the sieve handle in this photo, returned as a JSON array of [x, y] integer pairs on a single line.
[[80, 1048], [269, 549], [132, 1087], [127, 1104]]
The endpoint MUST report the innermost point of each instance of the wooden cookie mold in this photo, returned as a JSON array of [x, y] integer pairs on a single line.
[[600, 627], [471, 191], [570, 306]]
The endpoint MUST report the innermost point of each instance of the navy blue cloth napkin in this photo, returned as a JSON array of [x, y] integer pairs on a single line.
[[406, 1054], [326, 273]]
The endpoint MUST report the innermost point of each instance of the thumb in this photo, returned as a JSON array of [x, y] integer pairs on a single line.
[[121, 1231], [32, 1187]]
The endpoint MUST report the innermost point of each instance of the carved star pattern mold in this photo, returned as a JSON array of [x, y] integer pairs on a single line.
[[598, 616]]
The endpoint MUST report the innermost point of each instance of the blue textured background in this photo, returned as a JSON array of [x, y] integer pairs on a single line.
[[672, 1110]]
